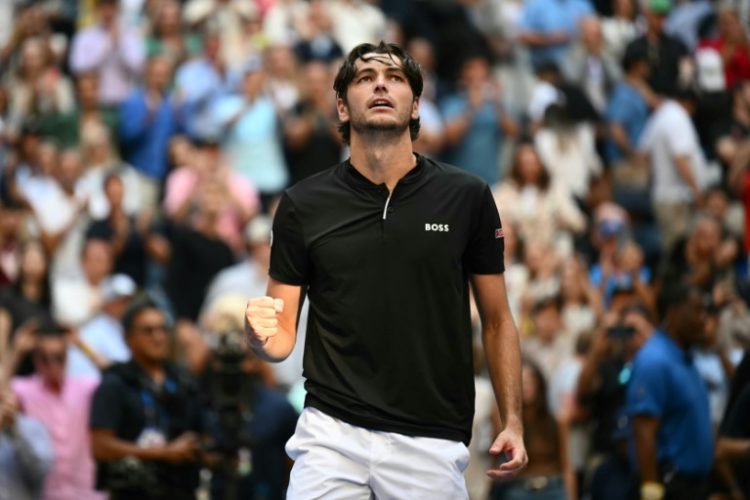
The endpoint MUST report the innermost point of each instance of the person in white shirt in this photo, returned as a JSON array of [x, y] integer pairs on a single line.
[[101, 340], [678, 166]]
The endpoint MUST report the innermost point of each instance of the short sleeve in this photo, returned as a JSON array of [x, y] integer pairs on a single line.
[[647, 391], [484, 253], [736, 425], [289, 260], [106, 406]]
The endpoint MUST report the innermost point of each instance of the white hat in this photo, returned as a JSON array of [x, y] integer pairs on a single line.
[[117, 286]]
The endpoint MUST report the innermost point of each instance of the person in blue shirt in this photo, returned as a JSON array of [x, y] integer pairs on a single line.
[[668, 403], [549, 26], [148, 121], [628, 108], [475, 122]]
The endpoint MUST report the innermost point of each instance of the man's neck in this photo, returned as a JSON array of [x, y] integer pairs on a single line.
[[382, 159], [154, 370]]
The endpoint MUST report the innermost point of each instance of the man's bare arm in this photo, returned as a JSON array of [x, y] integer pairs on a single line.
[[271, 321], [503, 352]]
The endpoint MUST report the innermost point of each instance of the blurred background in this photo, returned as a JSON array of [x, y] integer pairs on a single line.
[[143, 145]]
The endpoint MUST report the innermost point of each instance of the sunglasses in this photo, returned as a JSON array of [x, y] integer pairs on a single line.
[[51, 359], [150, 330]]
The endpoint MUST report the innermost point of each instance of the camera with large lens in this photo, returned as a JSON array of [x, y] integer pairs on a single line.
[[132, 475]]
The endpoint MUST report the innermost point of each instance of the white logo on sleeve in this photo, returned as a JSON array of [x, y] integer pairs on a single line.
[[437, 228]]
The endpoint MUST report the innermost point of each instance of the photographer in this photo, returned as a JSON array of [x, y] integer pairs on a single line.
[[601, 391], [145, 417], [250, 422]]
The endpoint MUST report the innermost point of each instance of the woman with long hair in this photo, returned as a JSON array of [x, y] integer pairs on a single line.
[[548, 475]]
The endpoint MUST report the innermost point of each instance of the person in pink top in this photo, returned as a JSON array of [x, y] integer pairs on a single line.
[[62, 405], [241, 202]]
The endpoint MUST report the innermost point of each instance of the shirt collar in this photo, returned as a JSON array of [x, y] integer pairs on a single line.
[[353, 175]]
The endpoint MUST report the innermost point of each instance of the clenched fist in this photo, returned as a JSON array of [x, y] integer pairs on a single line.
[[261, 321]]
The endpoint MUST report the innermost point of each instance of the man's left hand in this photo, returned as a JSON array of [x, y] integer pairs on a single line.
[[510, 448]]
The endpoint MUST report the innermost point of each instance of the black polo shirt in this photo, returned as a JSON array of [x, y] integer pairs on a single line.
[[389, 343]]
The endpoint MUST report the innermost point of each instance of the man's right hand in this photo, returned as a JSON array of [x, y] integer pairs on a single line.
[[261, 321], [183, 449]]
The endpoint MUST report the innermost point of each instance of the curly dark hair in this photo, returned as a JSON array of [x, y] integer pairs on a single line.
[[348, 70]]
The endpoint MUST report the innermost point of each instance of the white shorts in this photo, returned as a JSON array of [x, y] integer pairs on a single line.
[[335, 460]]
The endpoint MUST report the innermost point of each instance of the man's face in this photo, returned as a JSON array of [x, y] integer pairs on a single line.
[[49, 359], [379, 98], [97, 260], [148, 338], [689, 321]]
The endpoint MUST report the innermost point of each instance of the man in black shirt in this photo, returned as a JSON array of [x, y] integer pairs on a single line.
[[145, 417], [385, 245], [667, 55]]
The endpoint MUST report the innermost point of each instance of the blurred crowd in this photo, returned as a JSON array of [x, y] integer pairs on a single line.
[[144, 143]]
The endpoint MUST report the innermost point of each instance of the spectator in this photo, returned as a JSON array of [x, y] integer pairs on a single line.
[[62, 405], [39, 88], [59, 209], [678, 166], [101, 161], [196, 252], [28, 301], [668, 57], [76, 299], [312, 141], [432, 129], [100, 341], [548, 27], [355, 22], [627, 114], [589, 66], [668, 403], [567, 149], [548, 474], [199, 82], [732, 43], [704, 258], [249, 127], [318, 42], [26, 454], [282, 78], [126, 232], [146, 414], [581, 302], [114, 51], [68, 128], [620, 29], [151, 112], [542, 211], [167, 38], [182, 194], [550, 346], [12, 216], [226, 18], [475, 123]]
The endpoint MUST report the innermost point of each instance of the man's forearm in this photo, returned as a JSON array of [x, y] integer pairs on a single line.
[[644, 429], [503, 352], [273, 349]]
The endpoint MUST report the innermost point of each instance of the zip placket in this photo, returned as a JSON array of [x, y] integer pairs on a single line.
[[387, 202]]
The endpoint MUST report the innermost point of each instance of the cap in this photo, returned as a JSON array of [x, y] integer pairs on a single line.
[[258, 230], [660, 6], [118, 286]]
